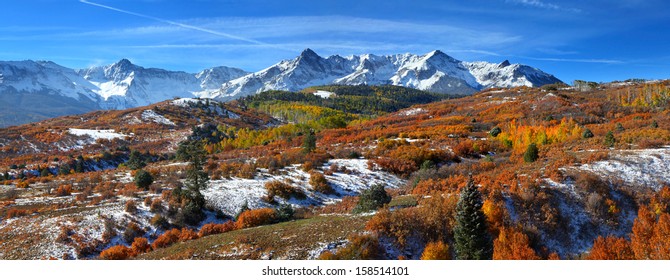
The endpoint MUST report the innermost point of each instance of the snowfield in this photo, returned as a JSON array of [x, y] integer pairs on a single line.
[[108, 134], [150, 115], [229, 195], [645, 168], [324, 94]]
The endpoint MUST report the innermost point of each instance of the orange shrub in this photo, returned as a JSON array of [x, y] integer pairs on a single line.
[[436, 251], [210, 229], [187, 234], [611, 248], [118, 252], [360, 247], [256, 217], [513, 245], [140, 246], [166, 239], [283, 190], [319, 182], [63, 190]]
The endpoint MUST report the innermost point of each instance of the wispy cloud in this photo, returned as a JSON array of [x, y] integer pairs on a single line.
[[174, 23], [543, 5]]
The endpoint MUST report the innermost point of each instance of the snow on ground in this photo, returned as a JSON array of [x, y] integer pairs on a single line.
[[324, 94], [228, 195], [108, 134], [87, 224], [646, 168], [150, 115], [412, 112], [184, 102]]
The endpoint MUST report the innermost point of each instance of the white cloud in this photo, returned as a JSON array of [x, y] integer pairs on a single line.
[[543, 5]]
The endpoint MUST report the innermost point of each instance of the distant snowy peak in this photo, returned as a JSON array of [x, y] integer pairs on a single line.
[[125, 85], [506, 74], [43, 77], [434, 71]]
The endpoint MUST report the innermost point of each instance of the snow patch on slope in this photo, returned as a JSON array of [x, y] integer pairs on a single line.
[[229, 195], [96, 134], [150, 115]]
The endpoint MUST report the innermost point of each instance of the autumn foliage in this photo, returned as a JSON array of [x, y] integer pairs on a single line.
[[436, 251], [512, 244], [209, 229], [255, 217], [118, 252], [611, 248]]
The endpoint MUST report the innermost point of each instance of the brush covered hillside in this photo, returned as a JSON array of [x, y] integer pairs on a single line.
[[342, 172]]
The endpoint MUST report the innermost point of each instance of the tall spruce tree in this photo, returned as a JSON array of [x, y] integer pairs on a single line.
[[196, 181], [471, 237]]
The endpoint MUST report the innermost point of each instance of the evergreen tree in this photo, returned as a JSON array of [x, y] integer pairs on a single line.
[[135, 161], [471, 238], [587, 133], [45, 172], [309, 142], [79, 164], [372, 199], [609, 139], [619, 127], [531, 153], [495, 131], [143, 179], [654, 124], [196, 181]]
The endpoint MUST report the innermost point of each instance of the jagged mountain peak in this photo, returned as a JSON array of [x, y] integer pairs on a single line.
[[434, 71]]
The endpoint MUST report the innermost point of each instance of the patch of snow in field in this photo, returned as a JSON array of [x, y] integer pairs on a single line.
[[150, 115], [228, 195], [324, 94], [412, 112], [646, 168], [108, 134], [184, 102]]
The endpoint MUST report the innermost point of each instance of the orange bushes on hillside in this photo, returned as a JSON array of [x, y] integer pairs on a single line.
[[118, 252], [512, 244], [255, 217], [611, 248], [209, 229], [436, 251]]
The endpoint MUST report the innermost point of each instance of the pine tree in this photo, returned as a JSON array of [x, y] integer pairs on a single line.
[[471, 238], [587, 133], [135, 161], [143, 179], [196, 181], [309, 142], [531, 153], [609, 139]]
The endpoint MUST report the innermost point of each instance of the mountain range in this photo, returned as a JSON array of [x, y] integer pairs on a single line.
[[35, 90]]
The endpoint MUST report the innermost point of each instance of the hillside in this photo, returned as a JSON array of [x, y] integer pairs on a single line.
[[598, 172]]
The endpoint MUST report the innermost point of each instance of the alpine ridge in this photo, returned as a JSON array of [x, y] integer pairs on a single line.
[[434, 71], [35, 90]]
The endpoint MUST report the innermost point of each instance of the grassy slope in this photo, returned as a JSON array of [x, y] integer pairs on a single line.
[[289, 240]]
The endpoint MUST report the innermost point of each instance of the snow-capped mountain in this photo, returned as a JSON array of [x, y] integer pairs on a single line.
[[434, 71], [36, 90], [124, 85]]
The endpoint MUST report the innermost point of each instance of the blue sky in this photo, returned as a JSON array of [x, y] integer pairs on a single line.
[[598, 40]]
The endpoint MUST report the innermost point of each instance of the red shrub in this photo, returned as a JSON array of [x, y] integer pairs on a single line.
[[256, 217], [140, 246], [118, 252], [166, 239], [210, 229]]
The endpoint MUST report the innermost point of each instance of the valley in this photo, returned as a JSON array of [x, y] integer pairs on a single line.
[[298, 174]]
